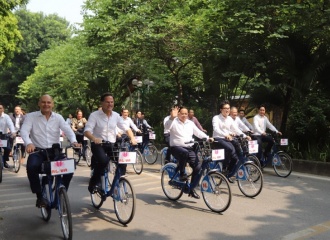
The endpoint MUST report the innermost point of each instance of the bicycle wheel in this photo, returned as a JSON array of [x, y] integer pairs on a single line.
[[111, 171], [171, 190], [255, 160], [150, 154], [97, 199], [88, 155], [250, 179], [125, 204], [163, 153], [17, 155], [1, 167], [64, 211], [216, 192], [46, 212], [138, 165], [282, 164]]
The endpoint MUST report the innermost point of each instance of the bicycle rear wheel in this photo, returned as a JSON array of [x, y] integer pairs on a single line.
[[64, 210], [17, 155], [88, 155], [255, 160], [250, 179], [171, 190], [150, 154], [126, 203], [216, 192], [138, 165], [46, 212], [282, 164]]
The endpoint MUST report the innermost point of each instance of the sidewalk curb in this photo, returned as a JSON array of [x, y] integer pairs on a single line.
[[311, 167]]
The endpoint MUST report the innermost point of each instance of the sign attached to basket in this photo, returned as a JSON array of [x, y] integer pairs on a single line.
[[3, 143], [61, 139], [253, 147], [284, 142], [218, 154], [138, 139], [127, 157], [19, 140], [86, 138], [62, 167], [152, 135]]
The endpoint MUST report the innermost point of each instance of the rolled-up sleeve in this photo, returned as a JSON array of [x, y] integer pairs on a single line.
[[25, 129]]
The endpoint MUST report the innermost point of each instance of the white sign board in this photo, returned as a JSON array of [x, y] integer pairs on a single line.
[[138, 139], [152, 136], [284, 141], [127, 157], [19, 140], [3, 143], [62, 167], [218, 154]]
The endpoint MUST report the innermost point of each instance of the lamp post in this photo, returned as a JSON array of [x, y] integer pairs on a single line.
[[149, 84], [138, 84]]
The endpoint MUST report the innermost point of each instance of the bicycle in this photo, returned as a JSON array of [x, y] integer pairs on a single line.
[[281, 161], [138, 165], [17, 152], [84, 152], [147, 148], [53, 190], [248, 175], [3, 144], [119, 188], [214, 185]]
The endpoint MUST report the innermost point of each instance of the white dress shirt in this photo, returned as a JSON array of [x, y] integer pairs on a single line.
[[104, 127], [241, 125], [247, 123], [129, 123], [5, 123], [261, 124], [224, 126], [44, 133], [181, 132], [165, 120]]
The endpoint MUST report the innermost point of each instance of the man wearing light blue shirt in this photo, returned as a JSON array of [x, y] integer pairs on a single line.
[[42, 129]]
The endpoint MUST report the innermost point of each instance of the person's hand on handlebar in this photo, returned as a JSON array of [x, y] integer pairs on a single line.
[[211, 139], [75, 144], [97, 140], [30, 148]]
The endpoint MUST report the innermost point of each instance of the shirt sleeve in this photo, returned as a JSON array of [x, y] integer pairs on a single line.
[[67, 129], [199, 133], [132, 125], [216, 126], [91, 123], [26, 129], [270, 126], [257, 128], [10, 124]]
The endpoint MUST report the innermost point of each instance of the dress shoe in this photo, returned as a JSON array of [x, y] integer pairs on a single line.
[[5, 165], [41, 203], [183, 177], [193, 194]]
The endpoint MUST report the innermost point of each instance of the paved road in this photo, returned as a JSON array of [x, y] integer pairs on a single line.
[[292, 208]]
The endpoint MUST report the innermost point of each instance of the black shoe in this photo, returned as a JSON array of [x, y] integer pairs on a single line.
[[183, 178], [5, 165], [193, 194], [41, 203], [92, 187]]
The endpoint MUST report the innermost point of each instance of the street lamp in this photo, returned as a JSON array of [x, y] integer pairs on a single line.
[[149, 83], [137, 83]]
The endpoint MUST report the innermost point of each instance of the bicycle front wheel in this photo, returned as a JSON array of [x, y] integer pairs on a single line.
[[216, 192], [88, 155], [138, 165], [255, 160], [46, 212], [125, 205], [170, 189], [283, 164], [17, 155], [163, 153], [64, 210], [250, 179], [150, 154]]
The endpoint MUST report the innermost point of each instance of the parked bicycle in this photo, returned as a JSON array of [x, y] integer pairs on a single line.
[[281, 161], [214, 185], [83, 152], [53, 190], [119, 188], [247, 174]]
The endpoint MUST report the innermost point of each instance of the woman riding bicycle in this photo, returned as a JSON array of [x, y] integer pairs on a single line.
[[78, 125]]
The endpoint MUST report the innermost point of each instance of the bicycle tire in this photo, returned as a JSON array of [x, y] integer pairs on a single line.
[[1, 167], [152, 154], [285, 167], [111, 171], [46, 212], [251, 181], [77, 155], [125, 207], [255, 160], [171, 191], [216, 191], [64, 210], [88, 155], [17, 155], [138, 165], [97, 199], [163, 153]]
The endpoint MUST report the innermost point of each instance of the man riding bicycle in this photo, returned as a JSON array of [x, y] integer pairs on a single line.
[[42, 129], [181, 131], [101, 126]]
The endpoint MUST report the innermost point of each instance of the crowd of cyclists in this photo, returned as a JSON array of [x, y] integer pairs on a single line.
[[41, 129]]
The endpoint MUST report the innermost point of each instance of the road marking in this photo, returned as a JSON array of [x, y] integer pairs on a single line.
[[309, 232]]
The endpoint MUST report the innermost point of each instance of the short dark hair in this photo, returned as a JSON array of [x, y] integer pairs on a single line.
[[223, 103], [262, 105], [242, 110], [107, 94]]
